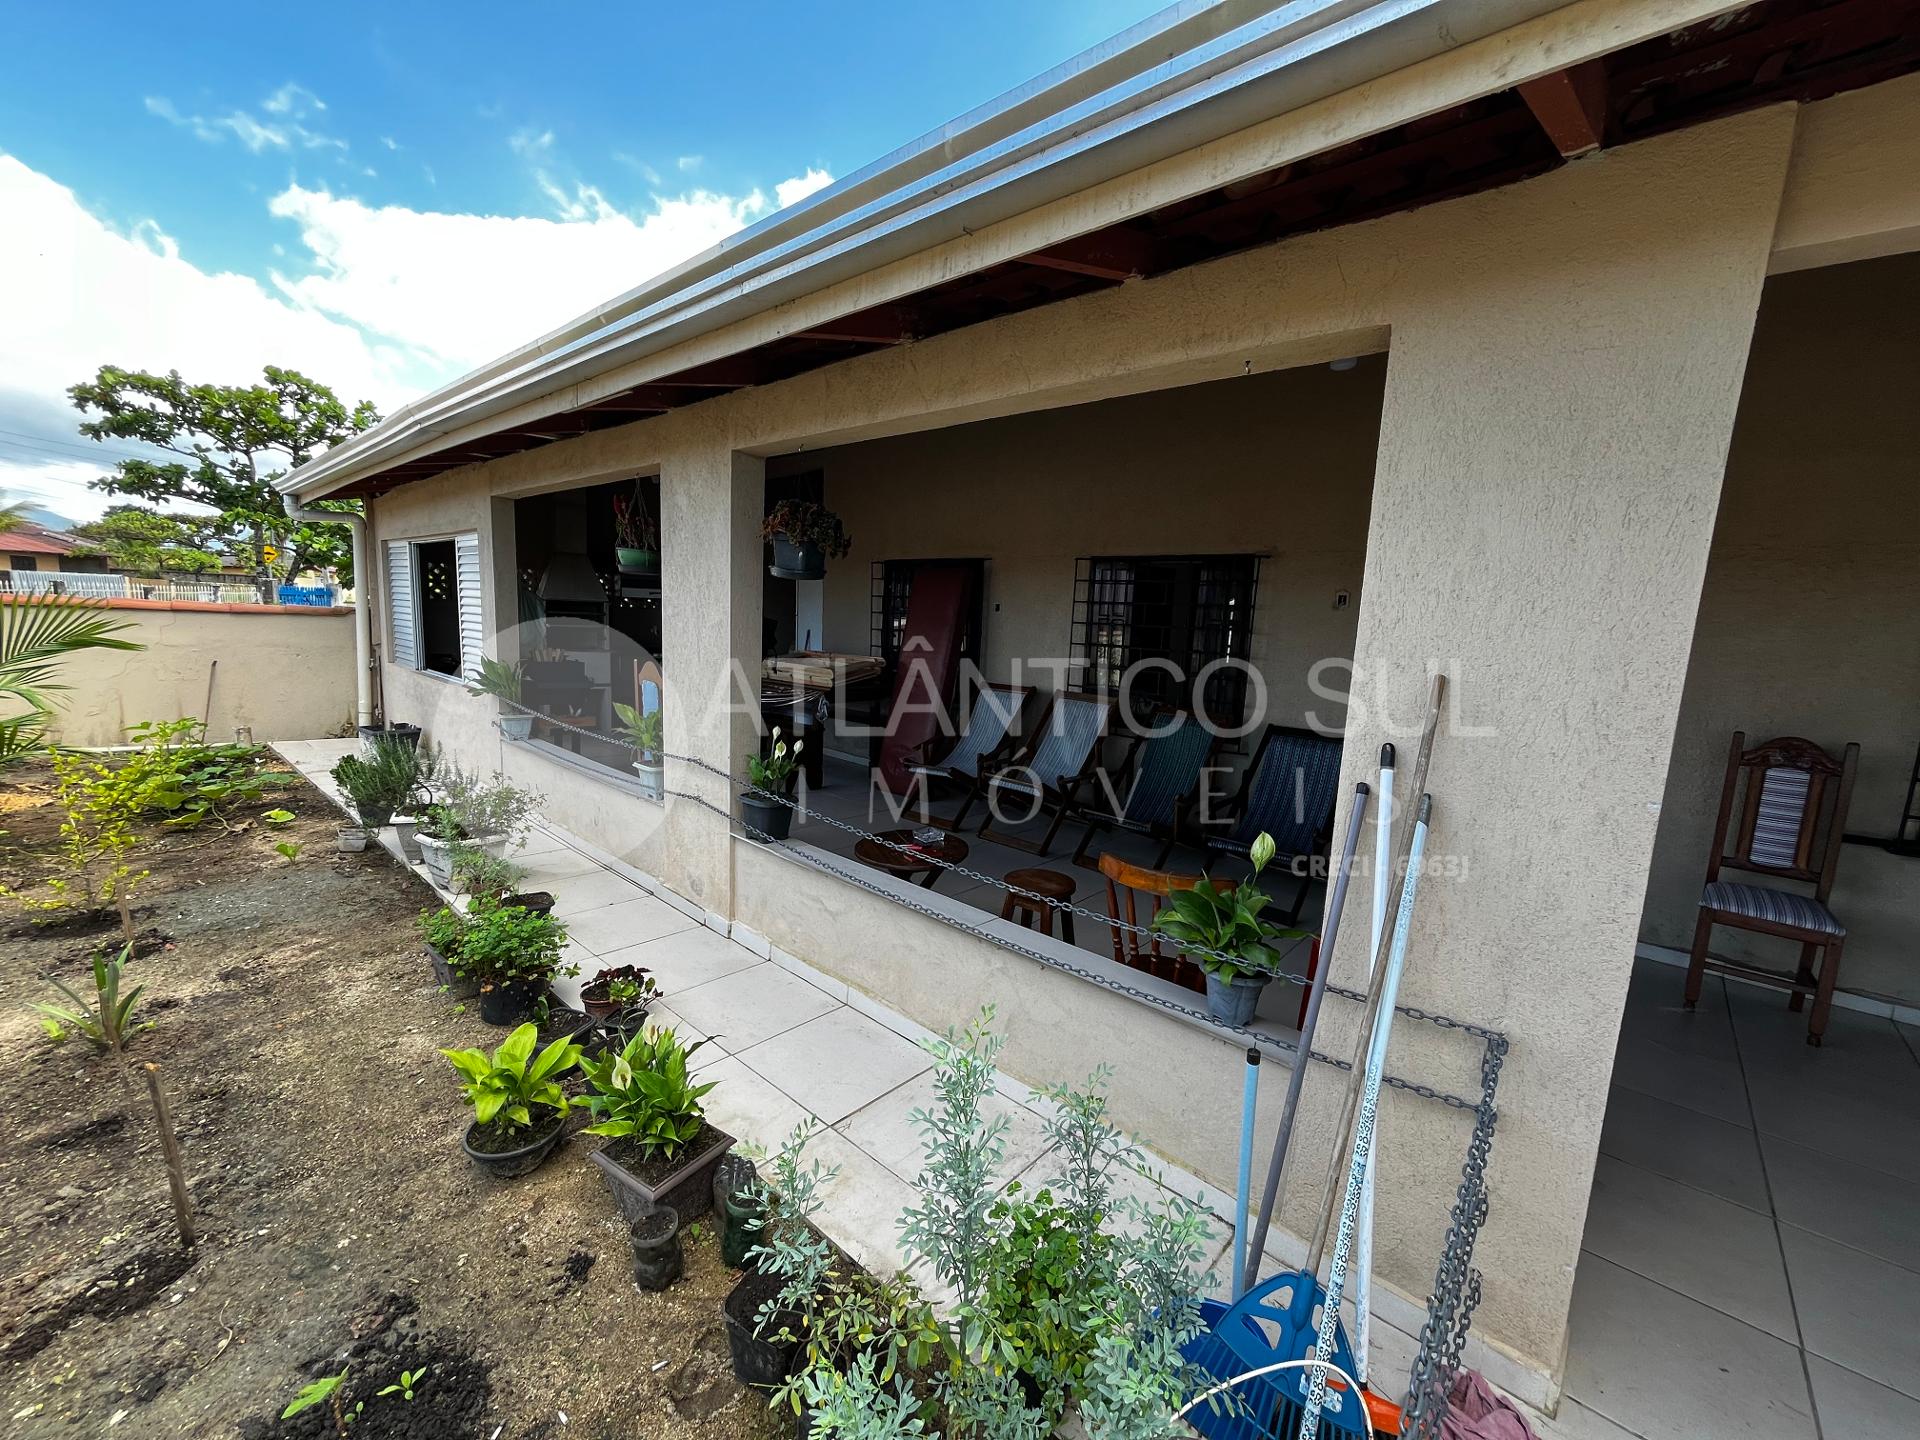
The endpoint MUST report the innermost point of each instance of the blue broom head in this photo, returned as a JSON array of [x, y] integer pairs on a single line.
[[1276, 1320]]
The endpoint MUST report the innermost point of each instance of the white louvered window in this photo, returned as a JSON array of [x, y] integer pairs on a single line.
[[434, 600]]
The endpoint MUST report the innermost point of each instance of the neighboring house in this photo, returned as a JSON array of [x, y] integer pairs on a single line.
[[29, 546], [1627, 452]]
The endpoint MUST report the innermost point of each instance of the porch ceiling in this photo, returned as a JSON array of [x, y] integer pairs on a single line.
[[1773, 51]]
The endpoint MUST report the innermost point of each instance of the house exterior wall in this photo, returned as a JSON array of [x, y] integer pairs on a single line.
[[285, 670], [1807, 620], [1565, 362], [1279, 464]]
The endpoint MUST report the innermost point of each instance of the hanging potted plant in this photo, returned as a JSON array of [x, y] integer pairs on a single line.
[[504, 683], [770, 776], [1221, 931], [636, 536], [805, 536], [519, 1109], [660, 1150], [643, 732], [515, 955]]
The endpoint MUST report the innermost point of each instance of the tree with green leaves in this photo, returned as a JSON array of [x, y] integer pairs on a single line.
[[232, 441], [140, 541]]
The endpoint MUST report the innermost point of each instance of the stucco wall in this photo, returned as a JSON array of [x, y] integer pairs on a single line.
[[1807, 621], [287, 671], [1279, 464], [1565, 364]]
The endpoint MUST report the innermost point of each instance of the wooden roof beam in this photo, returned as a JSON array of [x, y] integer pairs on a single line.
[[1571, 106], [880, 325], [1112, 254]]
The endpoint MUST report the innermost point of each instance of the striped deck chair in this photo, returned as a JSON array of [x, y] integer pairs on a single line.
[[1288, 792], [1057, 760], [1155, 786], [1791, 827], [988, 741]]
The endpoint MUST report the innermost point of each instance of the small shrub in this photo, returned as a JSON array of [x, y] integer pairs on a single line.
[[485, 876], [505, 943], [643, 1094], [509, 1087], [106, 1020], [97, 835]]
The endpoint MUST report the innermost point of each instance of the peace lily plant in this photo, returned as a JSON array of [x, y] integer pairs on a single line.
[[1221, 931]]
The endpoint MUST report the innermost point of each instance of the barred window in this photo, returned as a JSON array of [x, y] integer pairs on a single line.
[[892, 587], [1189, 610]]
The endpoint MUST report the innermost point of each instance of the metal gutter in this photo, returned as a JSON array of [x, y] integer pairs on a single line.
[[1186, 76]]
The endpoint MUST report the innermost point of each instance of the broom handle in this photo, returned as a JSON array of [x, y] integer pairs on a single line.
[[1316, 991], [1376, 1065], [1363, 1236], [1369, 1021]]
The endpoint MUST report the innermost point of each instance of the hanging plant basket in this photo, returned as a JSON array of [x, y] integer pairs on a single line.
[[635, 561], [798, 561]]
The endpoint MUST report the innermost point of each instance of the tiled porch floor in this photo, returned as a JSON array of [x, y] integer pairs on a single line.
[[1751, 1264]]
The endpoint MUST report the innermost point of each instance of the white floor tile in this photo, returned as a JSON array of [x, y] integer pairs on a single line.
[[1684, 1145], [1709, 1249], [1867, 1209], [1879, 1131], [593, 890], [751, 1005], [1853, 1407], [1669, 1368], [748, 1108], [861, 1205], [686, 958], [1856, 1310], [611, 928], [552, 870], [1699, 1082], [838, 1063], [1576, 1422], [882, 1129]]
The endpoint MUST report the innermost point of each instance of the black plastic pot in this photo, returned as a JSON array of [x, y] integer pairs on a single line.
[[408, 735], [763, 1362], [734, 1206], [765, 817], [505, 1164], [657, 1256], [803, 561], [508, 1002], [458, 986], [538, 902]]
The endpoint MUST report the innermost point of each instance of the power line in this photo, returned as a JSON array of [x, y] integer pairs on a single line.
[[61, 449]]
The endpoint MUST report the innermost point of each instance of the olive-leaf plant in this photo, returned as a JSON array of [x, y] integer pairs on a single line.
[[508, 1086], [1220, 929]]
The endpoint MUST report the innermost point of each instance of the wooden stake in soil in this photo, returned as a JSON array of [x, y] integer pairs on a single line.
[[170, 1147]]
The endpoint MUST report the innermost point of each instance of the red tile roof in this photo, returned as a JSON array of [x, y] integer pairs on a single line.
[[27, 538]]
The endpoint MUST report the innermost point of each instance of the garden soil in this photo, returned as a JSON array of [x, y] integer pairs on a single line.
[[297, 1031]]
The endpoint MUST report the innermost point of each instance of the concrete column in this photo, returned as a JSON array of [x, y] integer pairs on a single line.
[[712, 499], [1562, 382]]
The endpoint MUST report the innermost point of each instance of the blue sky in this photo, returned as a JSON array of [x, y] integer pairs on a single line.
[[387, 195]]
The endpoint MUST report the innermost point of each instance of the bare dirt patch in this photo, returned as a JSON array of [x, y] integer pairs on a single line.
[[298, 1032]]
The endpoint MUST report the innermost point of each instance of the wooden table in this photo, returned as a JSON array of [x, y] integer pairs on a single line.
[[922, 864]]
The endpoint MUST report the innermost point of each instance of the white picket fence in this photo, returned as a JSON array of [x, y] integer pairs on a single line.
[[123, 587]]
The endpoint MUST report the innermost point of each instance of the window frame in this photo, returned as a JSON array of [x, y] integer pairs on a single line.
[[474, 593]]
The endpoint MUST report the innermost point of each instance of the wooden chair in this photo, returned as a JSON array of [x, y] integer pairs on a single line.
[[1790, 828], [990, 739], [1155, 786], [1127, 947], [1057, 760], [1288, 792]]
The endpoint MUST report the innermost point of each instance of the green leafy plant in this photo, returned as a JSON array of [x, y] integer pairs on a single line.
[[506, 1088], [106, 1019], [499, 679], [801, 522], [289, 850], [642, 1093], [643, 732], [627, 991], [1211, 921], [97, 835], [773, 771], [278, 817], [444, 929], [858, 1403], [408, 1382], [468, 807], [318, 1392], [484, 876], [506, 943], [37, 633], [177, 777], [362, 786]]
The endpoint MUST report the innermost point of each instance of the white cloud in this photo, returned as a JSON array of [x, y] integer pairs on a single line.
[[380, 302], [791, 192], [290, 102], [689, 163], [292, 99]]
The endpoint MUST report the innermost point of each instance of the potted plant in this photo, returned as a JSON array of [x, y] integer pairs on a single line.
[[443, 930], [660, 1148], [519, 1109], [805, 536], [504, 683], [367, 789], [771, 775], [489, 877], [514, 954], [636, 536], [1221, 931], [736, 1204], [644, 732], [621, 990], [489, 815], [388, 734]]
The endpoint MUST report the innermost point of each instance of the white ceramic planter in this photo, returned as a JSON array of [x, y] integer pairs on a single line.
[[653, 778], [351, 840], [516, 727]]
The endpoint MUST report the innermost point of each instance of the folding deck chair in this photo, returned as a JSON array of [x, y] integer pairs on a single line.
[[1288, 792], [1059, 756], [1155, 786], [989, 740]]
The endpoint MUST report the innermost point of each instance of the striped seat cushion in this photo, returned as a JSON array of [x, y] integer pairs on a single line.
[[1776, 907]]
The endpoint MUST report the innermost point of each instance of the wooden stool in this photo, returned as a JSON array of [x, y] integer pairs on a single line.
[[1037, 914]]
